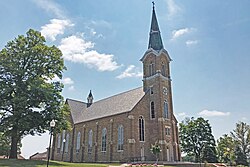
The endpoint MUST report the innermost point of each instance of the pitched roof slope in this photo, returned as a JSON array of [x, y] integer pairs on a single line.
[[113, 105], [76, 109]]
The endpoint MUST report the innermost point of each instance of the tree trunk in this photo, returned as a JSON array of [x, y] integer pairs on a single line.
[[14, 141]]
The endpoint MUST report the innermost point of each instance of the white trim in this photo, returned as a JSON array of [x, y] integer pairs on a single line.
[[150, 50], [157, 74]]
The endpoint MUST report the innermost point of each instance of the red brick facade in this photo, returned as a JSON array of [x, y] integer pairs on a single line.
[[150, 119]]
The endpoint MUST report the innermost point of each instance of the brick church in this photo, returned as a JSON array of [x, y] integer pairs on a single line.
[[122, 127]]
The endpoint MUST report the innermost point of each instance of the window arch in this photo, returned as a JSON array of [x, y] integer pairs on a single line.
[[90, 141], [120, 137], [104, 139], [165, 113], [152, 110], [141, 129], [58, 143], [78, 141], [67, 144]]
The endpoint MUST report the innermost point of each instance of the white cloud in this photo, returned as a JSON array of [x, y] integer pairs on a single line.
[[101, 23], [244, 118], [191, 42], [182, 114], [173, 8], [180, 32], [214, 113], [50, 7], [131, 71], [54, 28], [76, 49], [65, 81], [71, 88]]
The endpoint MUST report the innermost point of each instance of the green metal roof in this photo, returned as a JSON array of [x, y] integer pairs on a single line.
[[155, 41]]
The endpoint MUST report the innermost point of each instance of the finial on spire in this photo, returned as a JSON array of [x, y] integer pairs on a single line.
[[153, 2]]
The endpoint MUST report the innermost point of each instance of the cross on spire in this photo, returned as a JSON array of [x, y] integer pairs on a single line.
[[155, 41]]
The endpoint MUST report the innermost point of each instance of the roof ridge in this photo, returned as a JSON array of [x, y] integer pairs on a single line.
[[118, 94], [75, 100]]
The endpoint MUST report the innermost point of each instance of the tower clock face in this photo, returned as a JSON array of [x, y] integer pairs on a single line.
[[165, 91]]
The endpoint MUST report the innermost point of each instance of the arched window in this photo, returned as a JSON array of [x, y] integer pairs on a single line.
[[78, 141], [163, 69], [120, 137], [104, 139], [151, 69], [141, 129], [63, 137], [152, 110], [165, 113], [90, 141], [67, 144], [58, 142]]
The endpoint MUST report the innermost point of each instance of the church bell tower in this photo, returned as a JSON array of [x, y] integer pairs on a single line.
[[157, 82]]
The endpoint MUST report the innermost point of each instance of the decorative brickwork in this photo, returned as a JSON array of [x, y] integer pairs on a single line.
[[133, 120]]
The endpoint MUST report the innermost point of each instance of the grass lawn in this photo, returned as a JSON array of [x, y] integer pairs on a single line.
[[33, 163], [36, 163]]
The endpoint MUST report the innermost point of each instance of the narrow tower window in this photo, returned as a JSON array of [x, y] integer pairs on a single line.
[[141, 129], [152, 110], [165, 113], [120, 138], [167, 130], [151, 90], [78, 140], [104, 139], [163, 69], [67, 144], [90, 141], [151, 69]]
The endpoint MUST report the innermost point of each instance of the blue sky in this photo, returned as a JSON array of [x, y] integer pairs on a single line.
[[103, 41]]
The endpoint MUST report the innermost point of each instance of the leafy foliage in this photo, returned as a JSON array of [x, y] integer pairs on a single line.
[[226, 148], [241, 158], [241, 136], [196, 139], [155, 149], [29, 98], [5, 143]]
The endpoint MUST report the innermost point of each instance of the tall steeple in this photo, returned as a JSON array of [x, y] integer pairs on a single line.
[[155, 41]]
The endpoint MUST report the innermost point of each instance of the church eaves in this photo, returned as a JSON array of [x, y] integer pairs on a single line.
[[155, 41]]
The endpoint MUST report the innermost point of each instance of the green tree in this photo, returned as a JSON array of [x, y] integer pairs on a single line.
[[155, 149], [226, 148], [241, 135], [196, 137], [5, 145], [241, 158], [29, 98]]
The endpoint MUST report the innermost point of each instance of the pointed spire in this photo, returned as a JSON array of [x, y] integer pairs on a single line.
[[90, 99], [155, 41], [90, 94]]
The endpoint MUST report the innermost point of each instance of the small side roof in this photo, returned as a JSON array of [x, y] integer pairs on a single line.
[[113, 105]]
